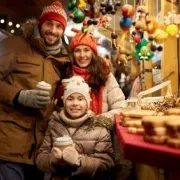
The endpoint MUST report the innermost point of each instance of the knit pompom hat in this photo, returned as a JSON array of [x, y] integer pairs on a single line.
[[54, 12], [85, 39], [77, 85]]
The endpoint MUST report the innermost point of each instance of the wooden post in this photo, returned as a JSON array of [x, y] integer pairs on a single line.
[[169, 61], [148, 64]]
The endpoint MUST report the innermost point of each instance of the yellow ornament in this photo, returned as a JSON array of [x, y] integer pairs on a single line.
[[172, 29], [160, 36], [81, 4]]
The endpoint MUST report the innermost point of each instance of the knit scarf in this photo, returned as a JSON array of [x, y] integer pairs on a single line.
[[96, 98], [54, 50], [75, 122]]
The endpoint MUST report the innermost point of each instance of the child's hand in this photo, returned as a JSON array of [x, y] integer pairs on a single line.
[[56, 155], [71, 156]]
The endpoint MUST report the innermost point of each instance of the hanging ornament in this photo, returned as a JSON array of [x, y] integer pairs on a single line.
[[82, 4], [173, 30], [71, 5], [109, 7], [127, 10], [125, 23], [77, 16], [143, 52]]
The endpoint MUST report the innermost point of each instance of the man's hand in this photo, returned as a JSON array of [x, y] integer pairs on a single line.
[[56, 156], [34, 98], [71, 156]]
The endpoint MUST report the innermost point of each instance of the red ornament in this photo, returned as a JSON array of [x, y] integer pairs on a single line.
[[137, 39]]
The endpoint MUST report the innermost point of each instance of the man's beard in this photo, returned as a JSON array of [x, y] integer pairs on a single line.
[[50, 44], [53, 44]]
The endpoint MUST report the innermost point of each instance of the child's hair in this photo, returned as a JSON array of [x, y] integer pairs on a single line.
[[77, 85]]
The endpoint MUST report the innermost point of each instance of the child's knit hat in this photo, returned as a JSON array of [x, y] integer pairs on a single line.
[[77, 85], [54, 12]]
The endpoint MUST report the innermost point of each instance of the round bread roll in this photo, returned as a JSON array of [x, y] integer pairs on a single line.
[[134, 123], [155, 139], [135, 130], [173, 142], [173, 121], [139, 113], [126, 118], [173, 127], [154, 121], [158, 131]]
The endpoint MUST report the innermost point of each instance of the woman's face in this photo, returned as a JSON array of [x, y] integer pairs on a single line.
[[83, 56], [76, 105]]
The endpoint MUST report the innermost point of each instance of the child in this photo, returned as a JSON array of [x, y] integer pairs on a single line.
[[92, 154]]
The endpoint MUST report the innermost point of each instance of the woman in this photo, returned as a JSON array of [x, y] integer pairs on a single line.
[[107, 98]]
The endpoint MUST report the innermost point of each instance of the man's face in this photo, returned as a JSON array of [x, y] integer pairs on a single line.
[[52, 32]]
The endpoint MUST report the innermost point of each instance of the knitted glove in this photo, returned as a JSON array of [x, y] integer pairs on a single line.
[[71, 156], [56, 156], [34, 98]]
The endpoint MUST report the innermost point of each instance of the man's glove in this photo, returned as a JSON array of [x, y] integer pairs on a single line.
[[34, 98], [71, 157], [56, 156]]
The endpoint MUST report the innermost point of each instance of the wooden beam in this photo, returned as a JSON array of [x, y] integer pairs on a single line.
[[169, 61]]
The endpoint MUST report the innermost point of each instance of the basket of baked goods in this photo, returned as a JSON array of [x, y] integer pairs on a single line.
[[132, 119], [156, 118], [163, 129]]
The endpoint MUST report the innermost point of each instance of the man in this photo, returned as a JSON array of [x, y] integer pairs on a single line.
[[37, 56]]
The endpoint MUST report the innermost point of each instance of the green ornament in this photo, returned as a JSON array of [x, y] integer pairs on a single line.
[[71, 5], [142, 52], [78, 16]]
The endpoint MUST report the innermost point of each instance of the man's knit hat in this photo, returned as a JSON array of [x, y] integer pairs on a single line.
[[77, 85], [54, 12], [82, 38]]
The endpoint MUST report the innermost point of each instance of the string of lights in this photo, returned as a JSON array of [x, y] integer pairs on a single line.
[[9, 25]]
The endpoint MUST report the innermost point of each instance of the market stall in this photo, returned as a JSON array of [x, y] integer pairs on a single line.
[[139, 151]]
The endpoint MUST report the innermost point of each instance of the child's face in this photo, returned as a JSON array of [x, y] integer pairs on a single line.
[[76, 105]]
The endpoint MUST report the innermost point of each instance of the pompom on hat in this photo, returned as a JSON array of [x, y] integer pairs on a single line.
[[77, 85], [85, 39], [54, 12]]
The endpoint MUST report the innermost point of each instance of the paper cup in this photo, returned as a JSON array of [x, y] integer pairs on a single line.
[[63, 142], [65, 82], [42, 85]]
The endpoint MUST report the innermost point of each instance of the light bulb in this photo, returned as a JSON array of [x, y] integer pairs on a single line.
[[10, 23], [12, 31], [2, 21], [17, 25]]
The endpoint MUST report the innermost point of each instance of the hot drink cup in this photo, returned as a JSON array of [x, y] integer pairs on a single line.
[[63, 142], [42, 85], [64, 82]]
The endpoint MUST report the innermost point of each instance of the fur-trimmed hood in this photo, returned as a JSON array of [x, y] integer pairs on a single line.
[[28, 28], [101, 121]]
